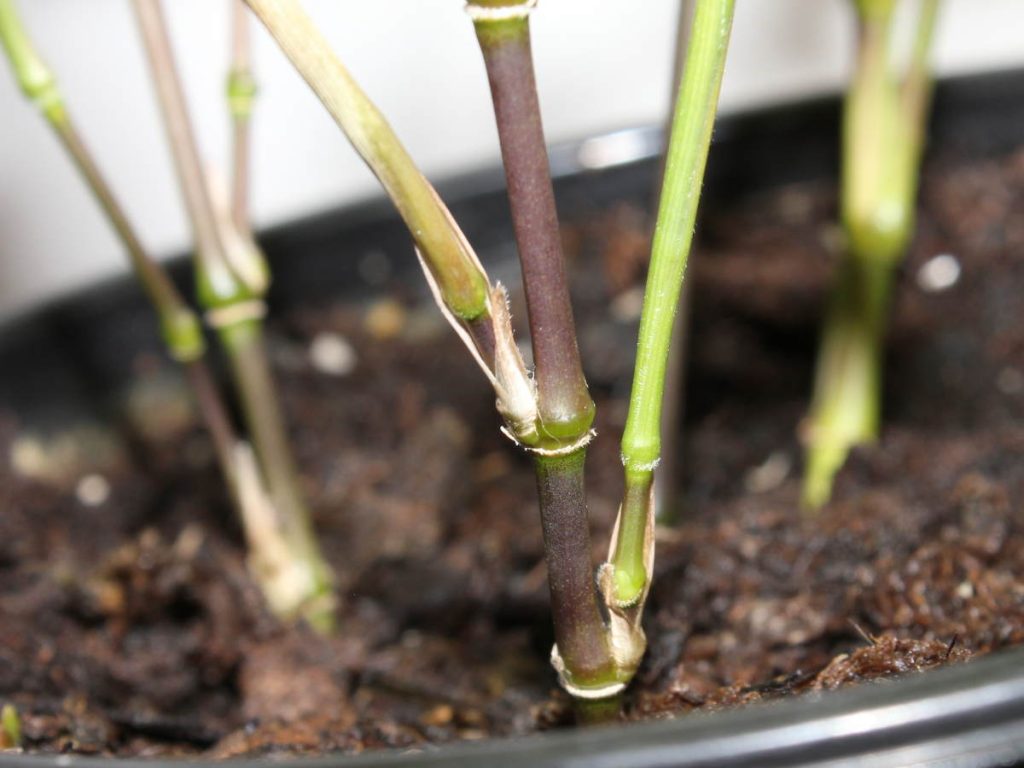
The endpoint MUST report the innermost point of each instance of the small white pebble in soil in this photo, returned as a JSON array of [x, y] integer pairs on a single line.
[[332, 354], [965, 590], [768, 475], [28, 457], [939, 273], [1010, 381], [385, 319], [626, 307], [92, 490]]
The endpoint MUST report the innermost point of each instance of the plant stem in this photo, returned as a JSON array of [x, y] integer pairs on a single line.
[[581, 636], [453, 268], [917, 83], [231, 280], [565, 408], [666, 486], [186, 157], [583, 653], [883, 130], [245, 348], [241, 92], [690, 139], [179, 324], [847, 400]]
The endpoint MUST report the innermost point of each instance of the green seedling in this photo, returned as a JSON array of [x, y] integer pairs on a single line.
[[883, 135]]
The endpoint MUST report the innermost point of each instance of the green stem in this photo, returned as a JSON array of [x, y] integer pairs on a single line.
[[629, 559], [179, 324], [876, 187], [565, 408], [846, 405], [34, 78], [666, 486], [917, 84], [231, 281], [690, 139], [459, 277], [245, 347], [883, 133]]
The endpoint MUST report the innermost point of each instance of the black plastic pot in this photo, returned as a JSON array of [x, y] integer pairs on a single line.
[[61, 362]]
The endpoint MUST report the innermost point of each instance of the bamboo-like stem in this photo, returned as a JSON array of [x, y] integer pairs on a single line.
[[245, 348], [241, 92], [917, 83], [216, 420], [666, 484], [883, 135], [847, 403], [566, 410], [690, 139], [186, 156], [453, 268], [583, 653], [231, 280], [180, 326], [581, 637]]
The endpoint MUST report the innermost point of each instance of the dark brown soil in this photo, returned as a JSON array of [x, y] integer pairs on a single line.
[[128, 624]]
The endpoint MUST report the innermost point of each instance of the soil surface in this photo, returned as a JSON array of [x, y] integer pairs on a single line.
[[129, 626]]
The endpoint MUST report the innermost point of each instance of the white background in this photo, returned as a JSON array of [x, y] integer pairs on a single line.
[[602, 64]]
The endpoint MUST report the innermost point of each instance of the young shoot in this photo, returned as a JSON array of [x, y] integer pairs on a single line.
[[625, 578], [232, 279], [883, 134]]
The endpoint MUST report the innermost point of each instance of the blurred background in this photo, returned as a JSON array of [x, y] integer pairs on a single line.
[[601, 64]]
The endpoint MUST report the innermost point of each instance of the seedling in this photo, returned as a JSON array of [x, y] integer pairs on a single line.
[[883, 135], [598, 639]]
